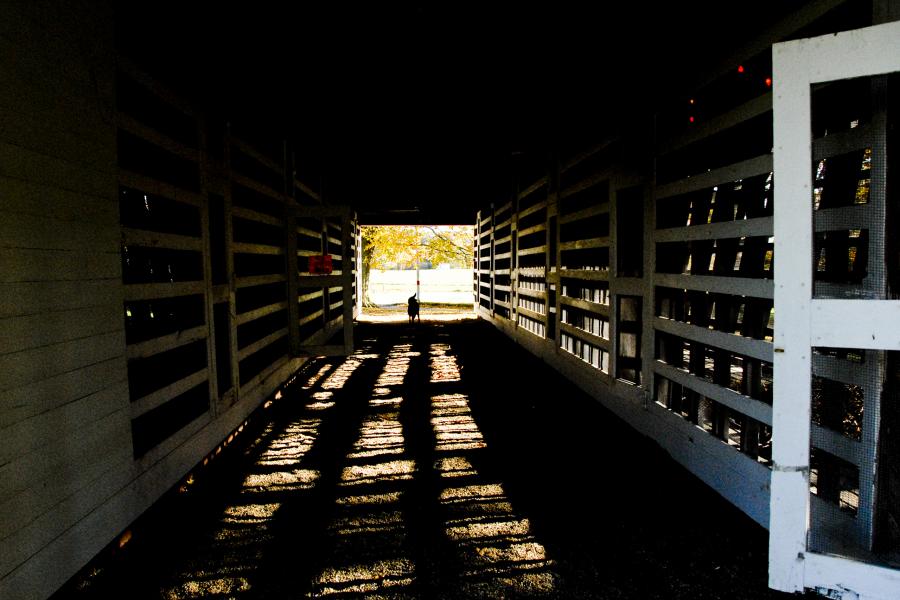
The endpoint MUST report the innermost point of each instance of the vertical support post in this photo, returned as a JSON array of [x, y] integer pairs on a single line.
[[229, 269], [793, 291], [207, 268], [347, 280], [290, 248], [648, 333], [554, 284], [493, 262], [477, 260]]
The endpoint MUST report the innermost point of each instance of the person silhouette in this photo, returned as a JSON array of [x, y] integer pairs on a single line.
[[413, 309]]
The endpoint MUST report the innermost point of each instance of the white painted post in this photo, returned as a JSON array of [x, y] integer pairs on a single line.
[[803, 322]]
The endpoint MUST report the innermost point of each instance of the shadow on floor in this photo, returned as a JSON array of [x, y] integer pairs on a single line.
[[439, 461]]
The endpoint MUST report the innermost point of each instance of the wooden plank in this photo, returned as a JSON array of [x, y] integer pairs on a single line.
[[253, 185], [145, 404], [760, 226], [311, 317], [503, 225], [531, 314], [503, 256], [166, 342], [837, 444], [540, 295], [309, 296], [29, 366], [502, 303], [600, 242], [746, 405], [36, 431], [585, 213], [68, 206], [307, 190], [531, 210], [838, 369], [307, 281], [54, 467], [54, 391], [36, 134], [584, 336], [261, 343], [22, 230], [592, 307], [583, 156], [843, 218], [152, 239], [585, 184], [746, 111], [155, 291], [737, 286], [21, 265], [253, 215], [256, 155], [41, 103], [247, 248], [586, 275], [260, 312], [842, 142], [254, 280], [533, 187], [136, 128], [319, 212], [530, 251], [740, 170], [266, 376], [159, 188], [35, 517], [316, 235], [44, 329], [533, 229], [154, 86], [502, 288], [759, 349]]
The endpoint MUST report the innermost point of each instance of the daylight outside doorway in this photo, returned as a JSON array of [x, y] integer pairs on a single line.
[[432, 263]]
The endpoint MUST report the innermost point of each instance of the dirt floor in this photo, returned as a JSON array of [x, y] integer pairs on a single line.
[[439, 461]]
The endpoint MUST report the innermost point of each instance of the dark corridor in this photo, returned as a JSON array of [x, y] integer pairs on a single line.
[[425, 465]]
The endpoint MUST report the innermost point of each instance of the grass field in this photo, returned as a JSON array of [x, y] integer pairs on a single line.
[[438, 286]]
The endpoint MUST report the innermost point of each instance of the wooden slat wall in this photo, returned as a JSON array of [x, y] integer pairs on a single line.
[[642, 268], [64, 413], [126, 241]]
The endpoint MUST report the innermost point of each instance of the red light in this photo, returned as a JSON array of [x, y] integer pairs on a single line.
[[768, 82], [740, 68], [691, 119]]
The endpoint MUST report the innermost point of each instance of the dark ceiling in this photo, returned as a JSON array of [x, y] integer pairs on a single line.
[[422, 111]]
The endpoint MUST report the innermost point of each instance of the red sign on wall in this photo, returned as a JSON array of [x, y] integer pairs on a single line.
[[320, 265]]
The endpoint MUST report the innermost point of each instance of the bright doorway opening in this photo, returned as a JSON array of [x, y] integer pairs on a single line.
[[431, 263]]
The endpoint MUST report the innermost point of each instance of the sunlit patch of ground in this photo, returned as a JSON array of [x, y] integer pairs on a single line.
[[396, 313]]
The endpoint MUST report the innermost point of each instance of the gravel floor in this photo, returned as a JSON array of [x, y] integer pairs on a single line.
[[439, 461]]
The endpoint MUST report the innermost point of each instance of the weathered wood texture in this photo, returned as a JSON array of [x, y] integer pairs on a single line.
[[107, 264]]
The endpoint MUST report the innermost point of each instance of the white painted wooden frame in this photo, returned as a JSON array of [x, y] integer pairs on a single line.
[[804, 322]]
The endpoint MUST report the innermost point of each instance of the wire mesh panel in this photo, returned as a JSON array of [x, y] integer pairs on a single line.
[[850, 217], [833, 488]]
